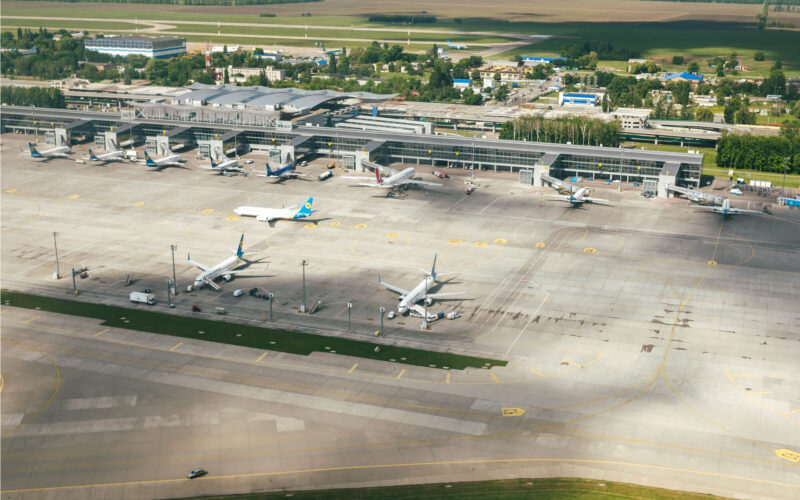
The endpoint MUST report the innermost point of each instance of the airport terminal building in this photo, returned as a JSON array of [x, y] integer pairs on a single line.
[[138, 45]]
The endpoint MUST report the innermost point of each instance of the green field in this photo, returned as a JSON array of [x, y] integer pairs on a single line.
[[511, 489], [70, 25], [243, 335]]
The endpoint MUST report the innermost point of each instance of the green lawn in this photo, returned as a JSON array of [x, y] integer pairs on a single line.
[[242, 335], [53, 25], [510, 489]]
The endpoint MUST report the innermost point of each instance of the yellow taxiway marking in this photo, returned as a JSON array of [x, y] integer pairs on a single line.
[[790, 412], [454, 242], [261, 357], [360, 226], [789, 455], [310, 226], [480, 243], [711, 263], [138, 204], [208, 210], [541, 245], [175, 346], [512, 412], [335, 223], [28, 322], [420, 465], [2, 382], [391, 235], [101, 332], [496, 381], [401, 373], [232, 217], [12, 190], [447, 379], [571, 363], [500, 241], [73, 197], [537, 372], [589, 250], [352, 368]]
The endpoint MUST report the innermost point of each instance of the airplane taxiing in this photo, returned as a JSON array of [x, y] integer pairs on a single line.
[[283, 173], [578, 197], [409, 298], [226, 166], [115, 155], [329, 51], [171, 160], [225, 269], [456, 46], [270, 215], [398, 179], [57, 152], [726, 209]]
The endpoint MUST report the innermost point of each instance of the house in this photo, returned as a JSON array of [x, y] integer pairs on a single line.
[[682, 77], [462, 83]]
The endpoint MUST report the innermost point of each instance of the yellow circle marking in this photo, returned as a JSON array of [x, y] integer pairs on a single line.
[[711, 263], [500, 241], [541, 245], [310, 226], [208, 210], [589, 250], [392, 235], [512, 412], [335, 223], [789, 455], [480, 243], [73, 197], [454, 242], [12, 190], [360, 226], [138, 204], [232, 217]]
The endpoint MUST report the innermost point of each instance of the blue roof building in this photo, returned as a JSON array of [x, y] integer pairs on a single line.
[[682, 77], [535, 60], [579, 98]]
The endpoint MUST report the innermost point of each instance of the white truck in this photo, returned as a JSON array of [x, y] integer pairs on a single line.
[[143, 298]]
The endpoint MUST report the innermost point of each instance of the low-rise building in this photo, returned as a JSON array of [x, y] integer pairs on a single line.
[[682, 77], [462, 83], [242, 74], [138, 45], [580, 98], [632, 117]]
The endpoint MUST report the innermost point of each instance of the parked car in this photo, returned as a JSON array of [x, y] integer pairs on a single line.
[[238, 293], [248, 162], [199, 472], [196, 308]]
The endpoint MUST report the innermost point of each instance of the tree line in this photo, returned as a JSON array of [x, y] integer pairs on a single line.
[[43, 97], [383, 18], [572, 129], [759, 152]]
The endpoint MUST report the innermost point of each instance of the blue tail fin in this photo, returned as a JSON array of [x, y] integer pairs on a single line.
[[433, 269], [213, 163], [305, 210], [93, 156], [149, 161], [269, 171], [239, 249], [34, 153]]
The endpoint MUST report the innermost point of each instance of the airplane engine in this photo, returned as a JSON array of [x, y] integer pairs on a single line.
[[227, 277], [429, 301]]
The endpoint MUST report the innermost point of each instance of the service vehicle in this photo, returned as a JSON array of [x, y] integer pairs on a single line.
[[325, 175], [143, 298], [238, 293], [248, 162], [199, 472], [441, 175]]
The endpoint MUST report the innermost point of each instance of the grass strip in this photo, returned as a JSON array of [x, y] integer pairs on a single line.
[[510, 489], [242, 335]]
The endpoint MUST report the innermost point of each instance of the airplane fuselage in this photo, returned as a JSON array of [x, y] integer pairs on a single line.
[[399, 177], [415, 295], [215, 272]]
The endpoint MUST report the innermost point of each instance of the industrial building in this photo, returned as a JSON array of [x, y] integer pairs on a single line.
[[138, 45]]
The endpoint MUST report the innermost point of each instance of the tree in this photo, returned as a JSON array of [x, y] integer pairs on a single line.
[[332, 64], [704, 115], [693, 67], [761, 17], [758, 56], [435, 51], [476, 75], [226, 78], [677, 60]]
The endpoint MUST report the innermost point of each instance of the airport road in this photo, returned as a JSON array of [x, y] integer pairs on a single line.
[[646, 342]]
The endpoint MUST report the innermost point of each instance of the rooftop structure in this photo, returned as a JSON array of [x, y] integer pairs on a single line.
[[128, 45], [682, 77]]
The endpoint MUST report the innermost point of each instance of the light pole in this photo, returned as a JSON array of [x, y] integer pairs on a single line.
[[55, 245], [271, 300], [303, 305], [425, 303], [383, 312], [169, 295], [74, 286], [349, 324], [174, 279], [783, 189]]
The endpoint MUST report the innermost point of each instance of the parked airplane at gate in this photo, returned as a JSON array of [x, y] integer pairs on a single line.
[[456, 46], [398, 179], [283, 173], [226, 166], [171, 160], [409, 298], [115, 155], [578, 197], [57, 152], [726, 209], [270, 215], [225, 269]]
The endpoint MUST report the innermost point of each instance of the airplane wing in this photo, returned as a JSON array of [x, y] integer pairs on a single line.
[[198, 265], [373, 185], [440, 295], [593, 200], [558, 196], [393, 288], [424, 183]]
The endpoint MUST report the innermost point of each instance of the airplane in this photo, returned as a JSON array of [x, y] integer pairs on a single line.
[[270, 215], [456, 46], [114, 155], [282, 173], [578, 197], [57, 152], [726, 209], [226, 166], [409, 298], [331, 51], [224, 269], [398, 179], [171, 160]]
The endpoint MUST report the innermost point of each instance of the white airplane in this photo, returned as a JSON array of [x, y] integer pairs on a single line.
[[578, 197], [456, 46], [270, 215], [224, 269], [409, 298], [57, 152], [226, 166], [171, 160], [115, 155], [726, 209], [397, 179]]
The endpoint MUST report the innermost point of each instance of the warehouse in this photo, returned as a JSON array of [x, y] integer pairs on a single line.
[[138, 45]]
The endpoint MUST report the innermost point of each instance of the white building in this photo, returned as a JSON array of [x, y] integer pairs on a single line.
[[138, 45], [242, 74], [632, 117]]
